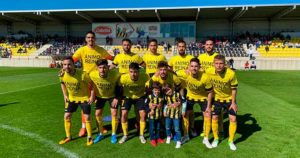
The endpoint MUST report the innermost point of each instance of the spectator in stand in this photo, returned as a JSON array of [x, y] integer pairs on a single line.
[[231, 61], [246, 65], [253, 65]]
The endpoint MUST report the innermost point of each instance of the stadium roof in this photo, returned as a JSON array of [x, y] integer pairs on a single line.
[[34, 11]]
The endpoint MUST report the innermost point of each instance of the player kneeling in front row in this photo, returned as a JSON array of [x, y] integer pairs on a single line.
[[74, 85], [225, 84], [106, 88]]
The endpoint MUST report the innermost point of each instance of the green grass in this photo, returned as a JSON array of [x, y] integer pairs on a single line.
[[269, 107]]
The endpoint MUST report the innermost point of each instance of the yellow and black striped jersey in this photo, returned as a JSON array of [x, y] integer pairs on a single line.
[[173, 112]]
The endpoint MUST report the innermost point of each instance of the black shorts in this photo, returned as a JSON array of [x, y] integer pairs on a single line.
[[219, 106], [72, 107], [191, 103], [140, 103], [100, 103]]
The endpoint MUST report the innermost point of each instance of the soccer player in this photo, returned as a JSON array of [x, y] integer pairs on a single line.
[[182, 60], [163, 76], [172, 113], [74, 85], [206, 62], [133, 86], [225, 84], [123, 60], [152, 58], [207, 58], [155, 102], [88, 55], [199, 91], [105, 83]]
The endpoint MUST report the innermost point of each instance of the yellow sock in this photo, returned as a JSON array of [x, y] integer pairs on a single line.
[[142, 127], [125, 128], [88, 126], [215, 129], [232, 130], [221, 121], [99, 123], [114, 124], [186, 125], [68, 127], [207, 128]]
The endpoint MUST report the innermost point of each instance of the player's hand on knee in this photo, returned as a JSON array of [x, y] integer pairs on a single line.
[[66, 98], [234, 107], [91, 100]]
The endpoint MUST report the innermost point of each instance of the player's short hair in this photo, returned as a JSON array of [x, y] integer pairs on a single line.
[[102, 62], [220, 57], [68, 58], [134, 66], [156, 85], [152, 40], [90, 32], [181, 41], [209, 40], [196, 60], [162, 64], [126, 40]]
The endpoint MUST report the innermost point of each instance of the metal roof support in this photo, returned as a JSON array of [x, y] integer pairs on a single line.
[[18, 18], [85, 16], [157, 15], [284, 12], [197, 15], [122, 17], [50, 17], [239, 13]]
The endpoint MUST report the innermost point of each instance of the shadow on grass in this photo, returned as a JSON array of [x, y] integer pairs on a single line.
[[9, 103], [247, 126]]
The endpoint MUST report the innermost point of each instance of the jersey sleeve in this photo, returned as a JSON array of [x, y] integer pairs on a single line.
[[61, 79], [116, 60], [170, 63], [106, 55], [86, 77], [207, 83], [164, 58], [77, 55], [140, 60], [234, 82]]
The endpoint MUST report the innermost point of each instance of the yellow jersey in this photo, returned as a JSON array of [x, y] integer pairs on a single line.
[[134, 89], [196, 87], [207, 61], [155, 100], [105, 86], [223, 83], [124, 60], [179, 62], [172, 79], [89, 56], [173, 112], [77, 85], [152, 60]]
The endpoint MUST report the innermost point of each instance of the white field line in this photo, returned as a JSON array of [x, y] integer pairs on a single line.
[[38, 138], [24, 89]]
